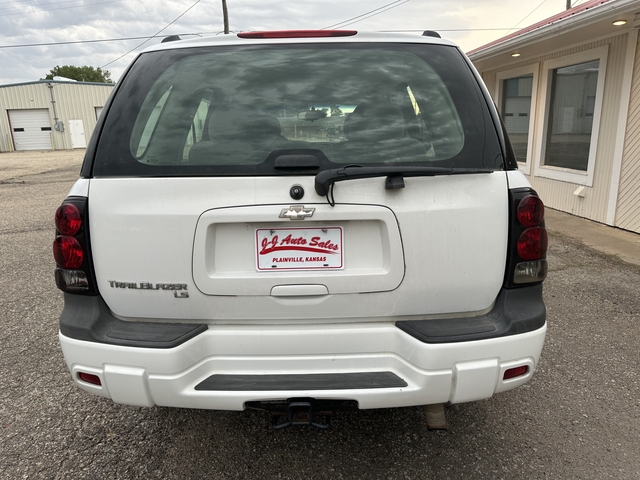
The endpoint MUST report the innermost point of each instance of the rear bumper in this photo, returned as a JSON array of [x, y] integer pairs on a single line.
[[376, 364]]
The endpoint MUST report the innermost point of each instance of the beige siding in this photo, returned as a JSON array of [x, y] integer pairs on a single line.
[[628, 212], [74, 101], [560, 194], [489, 79]]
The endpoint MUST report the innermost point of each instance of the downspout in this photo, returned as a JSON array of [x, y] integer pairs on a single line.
[[59, 126]]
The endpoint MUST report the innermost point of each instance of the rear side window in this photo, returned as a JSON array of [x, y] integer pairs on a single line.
[[231, 111]]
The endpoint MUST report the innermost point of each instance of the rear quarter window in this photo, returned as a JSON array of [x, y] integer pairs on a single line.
[[229, 110]]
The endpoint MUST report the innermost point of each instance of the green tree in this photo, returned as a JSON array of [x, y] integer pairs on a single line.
[[81, 74], [336, 111]]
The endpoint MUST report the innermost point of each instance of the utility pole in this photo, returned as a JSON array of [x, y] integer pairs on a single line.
[[225, 14], [568, 4]]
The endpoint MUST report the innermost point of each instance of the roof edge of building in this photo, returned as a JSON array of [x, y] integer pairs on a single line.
[[578, 16], [58, 82]]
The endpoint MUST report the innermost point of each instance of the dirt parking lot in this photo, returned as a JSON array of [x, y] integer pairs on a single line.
[[14, 165]]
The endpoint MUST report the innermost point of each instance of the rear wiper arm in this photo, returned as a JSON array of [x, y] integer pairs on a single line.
[[325, 179]]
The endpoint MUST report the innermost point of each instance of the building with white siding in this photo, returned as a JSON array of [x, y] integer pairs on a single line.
[[49, 114], [568, 89]]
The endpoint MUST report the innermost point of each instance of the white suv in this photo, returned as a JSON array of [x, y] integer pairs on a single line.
[[308, 215]]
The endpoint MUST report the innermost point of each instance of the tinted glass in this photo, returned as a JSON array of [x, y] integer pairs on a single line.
[[231, 111], [573, 99], [516, 110]]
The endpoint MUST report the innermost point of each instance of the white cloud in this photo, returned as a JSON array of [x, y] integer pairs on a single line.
[[44, 21]]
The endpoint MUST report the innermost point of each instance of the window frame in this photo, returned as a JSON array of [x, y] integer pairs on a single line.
[[534, 68], [569, 175]]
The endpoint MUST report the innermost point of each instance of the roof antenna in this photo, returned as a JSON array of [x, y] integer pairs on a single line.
[[171, 38], [431, 33]]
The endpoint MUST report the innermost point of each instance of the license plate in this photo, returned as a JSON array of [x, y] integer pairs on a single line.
[[299, 249]]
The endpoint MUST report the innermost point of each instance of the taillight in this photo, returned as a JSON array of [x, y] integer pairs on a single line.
[[68, 219], [67, 252], [298, 34], [71, 248], [528, 240], [532, 244], [530, 211]]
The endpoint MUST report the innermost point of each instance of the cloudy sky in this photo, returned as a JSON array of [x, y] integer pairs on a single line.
[[470, 23]]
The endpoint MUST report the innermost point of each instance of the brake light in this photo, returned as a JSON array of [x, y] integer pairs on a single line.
[[71, 248], [532, 244], [298, 34], [530, 211], [67, 252], [528, 242], [68, 219]]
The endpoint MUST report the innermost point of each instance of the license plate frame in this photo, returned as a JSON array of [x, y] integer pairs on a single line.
[[299, 248]]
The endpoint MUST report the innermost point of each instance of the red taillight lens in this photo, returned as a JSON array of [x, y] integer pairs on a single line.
[[515, 372], [298, 34], [530, 211], [68, 219], [67, 252], [532, 244]]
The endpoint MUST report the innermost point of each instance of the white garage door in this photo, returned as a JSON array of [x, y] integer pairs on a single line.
[[31, 129], [516, 114]]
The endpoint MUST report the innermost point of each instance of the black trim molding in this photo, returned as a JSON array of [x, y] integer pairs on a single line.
[[89, 319], [515, 311]]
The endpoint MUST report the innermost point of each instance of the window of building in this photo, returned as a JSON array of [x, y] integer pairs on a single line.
[[570, 115], [516, 94], [574, 90]]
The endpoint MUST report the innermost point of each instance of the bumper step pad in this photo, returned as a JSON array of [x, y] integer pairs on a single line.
[[290, 382]]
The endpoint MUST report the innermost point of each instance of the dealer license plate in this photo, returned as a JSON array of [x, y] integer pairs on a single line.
[[299, 249]]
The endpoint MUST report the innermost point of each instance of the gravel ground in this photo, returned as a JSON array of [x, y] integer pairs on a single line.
[[16, 165], [578, 418]]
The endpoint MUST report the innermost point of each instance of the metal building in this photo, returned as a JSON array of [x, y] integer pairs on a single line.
[[49, 114]]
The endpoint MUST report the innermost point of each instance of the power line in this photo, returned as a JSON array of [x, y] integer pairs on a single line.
[[38, 4], [122, 39], [155, 35], [61, 8], [542, 3], [399, 2], [100, 40]]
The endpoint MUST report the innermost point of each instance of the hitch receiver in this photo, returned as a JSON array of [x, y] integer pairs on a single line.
[[299, 413]]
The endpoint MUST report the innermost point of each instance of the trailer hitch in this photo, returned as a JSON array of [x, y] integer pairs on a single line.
[[299, 413], [303, 411]]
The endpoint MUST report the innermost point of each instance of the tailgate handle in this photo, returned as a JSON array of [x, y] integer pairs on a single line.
[[299, 290]]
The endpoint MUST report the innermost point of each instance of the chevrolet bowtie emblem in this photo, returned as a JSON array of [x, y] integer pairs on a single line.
[[296, 212]]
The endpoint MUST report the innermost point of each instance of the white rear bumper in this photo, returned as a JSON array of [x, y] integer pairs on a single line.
[[434, 373]]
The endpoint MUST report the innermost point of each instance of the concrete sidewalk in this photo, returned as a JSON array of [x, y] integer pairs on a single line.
[[608, 240]]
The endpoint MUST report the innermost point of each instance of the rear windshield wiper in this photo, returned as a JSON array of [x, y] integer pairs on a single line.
[[395, 175]]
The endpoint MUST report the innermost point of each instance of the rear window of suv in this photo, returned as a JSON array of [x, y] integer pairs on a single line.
[[233, 110]]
